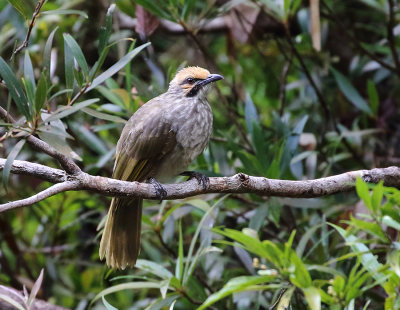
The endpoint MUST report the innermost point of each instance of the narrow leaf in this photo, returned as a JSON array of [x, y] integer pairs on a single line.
[[69, 66], [12, 302], [107, 304], [10, 159], [105, 32], [15, 88], [41, 93], [350, 92], [35, 288], [72, 109], [373, 97], [28, 69], [78, 54], [116, 67], [65, 12], [22, 7], [47, 53], [104, 116]]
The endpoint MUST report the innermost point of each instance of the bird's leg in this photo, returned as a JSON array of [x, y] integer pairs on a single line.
[[201, 178], [160, 190]]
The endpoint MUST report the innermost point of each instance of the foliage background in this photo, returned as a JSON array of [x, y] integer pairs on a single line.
[[290, 107]]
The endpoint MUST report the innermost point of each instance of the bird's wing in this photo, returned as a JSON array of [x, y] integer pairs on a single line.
[[145, 140]]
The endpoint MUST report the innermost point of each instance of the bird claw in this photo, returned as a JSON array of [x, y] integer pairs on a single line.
[[201, 178], [161, 193]]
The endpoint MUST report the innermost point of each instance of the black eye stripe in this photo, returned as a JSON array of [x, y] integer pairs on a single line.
[[190, 80]]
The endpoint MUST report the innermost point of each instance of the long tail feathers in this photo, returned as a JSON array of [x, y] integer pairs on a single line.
[[120, 243]]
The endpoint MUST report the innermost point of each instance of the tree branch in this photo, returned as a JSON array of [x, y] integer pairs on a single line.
[[31, 24], [51, 191], [239, 183]]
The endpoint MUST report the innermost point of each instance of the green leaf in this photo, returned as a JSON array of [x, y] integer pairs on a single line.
[[47, 53], [30, 92], [116, 67], [16, 90], [107, 304], [69, 69], [190, 260], [179, 260], [373, 97], [59, 143], [104, 116], [371, 227], [155, 7], [377, 196], [28, 69], [68, 110], [89, 138], [163, 303], [250, 114], [12, 302], [140, 285], [96, 67], [363, 192], [154, 268], [300, 275], [22, 7], [77, 52], [187, 8], [235, 285], [35, 288], [10, 159], [65, 12], [105, 32], [350, 92], [368, 260], [389, 221], [313, 297], [63, 91], [41, 93]]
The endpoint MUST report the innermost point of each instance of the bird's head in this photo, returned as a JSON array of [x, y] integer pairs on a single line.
[[193, 81]]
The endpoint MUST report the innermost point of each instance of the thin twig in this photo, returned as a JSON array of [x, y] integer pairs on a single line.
[[282, 291], [79, 94], [51, 191], [321, 99], [239, 183], [391, 38], [31, 24], [353, 40], [282, 91]]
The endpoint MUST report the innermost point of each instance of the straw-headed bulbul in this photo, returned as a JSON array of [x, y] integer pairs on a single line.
[[158, 142]]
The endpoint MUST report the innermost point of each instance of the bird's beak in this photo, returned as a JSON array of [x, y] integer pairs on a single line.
[[211, 78]]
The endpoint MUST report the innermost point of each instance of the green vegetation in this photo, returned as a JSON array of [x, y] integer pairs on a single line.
[[305, 96]]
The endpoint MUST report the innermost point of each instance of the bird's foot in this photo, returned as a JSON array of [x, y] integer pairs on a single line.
[[201, 178], [160, 190]]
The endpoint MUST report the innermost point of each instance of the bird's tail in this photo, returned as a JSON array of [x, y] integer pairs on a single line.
[[120, 243]]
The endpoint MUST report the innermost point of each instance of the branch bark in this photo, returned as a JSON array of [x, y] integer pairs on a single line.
[[239, 183]]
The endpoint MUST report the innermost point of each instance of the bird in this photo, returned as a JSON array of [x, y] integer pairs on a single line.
[[158, 143]]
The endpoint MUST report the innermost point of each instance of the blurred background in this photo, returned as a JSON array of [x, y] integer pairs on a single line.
[[310, 91]]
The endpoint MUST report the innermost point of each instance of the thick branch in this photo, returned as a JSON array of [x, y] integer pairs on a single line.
[[239, 183]]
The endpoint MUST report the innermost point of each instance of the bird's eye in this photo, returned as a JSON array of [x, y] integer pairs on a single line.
[[190, 80]]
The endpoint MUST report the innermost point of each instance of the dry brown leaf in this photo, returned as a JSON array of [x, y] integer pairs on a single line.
[[315, 24], [146, 22]]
